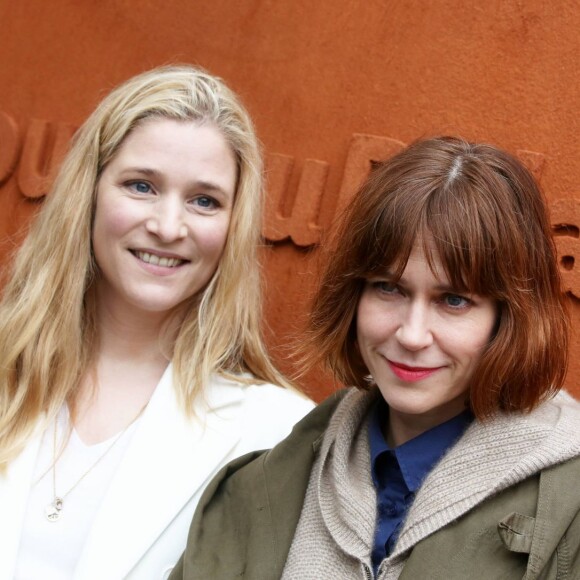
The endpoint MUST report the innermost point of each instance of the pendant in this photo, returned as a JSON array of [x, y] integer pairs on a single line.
[[53, 509]]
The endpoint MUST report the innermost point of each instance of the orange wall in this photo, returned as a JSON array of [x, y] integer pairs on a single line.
[[331, 84]]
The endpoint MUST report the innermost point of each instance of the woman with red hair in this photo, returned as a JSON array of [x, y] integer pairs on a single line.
[[456, 455]]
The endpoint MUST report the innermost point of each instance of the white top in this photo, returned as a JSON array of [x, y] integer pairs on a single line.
[[140, 527], [51, 549]]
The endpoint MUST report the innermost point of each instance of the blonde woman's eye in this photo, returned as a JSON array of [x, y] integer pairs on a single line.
[[206, 202], [140, 187]]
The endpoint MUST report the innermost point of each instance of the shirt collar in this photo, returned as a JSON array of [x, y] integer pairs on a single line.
[[418, 456]]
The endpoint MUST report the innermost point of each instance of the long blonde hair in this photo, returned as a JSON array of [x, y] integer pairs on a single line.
[[47, 320]]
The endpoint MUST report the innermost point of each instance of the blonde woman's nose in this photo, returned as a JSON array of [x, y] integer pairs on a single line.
[[167, 221]]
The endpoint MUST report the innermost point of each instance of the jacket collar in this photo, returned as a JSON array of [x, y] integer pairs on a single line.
[[167, 448]]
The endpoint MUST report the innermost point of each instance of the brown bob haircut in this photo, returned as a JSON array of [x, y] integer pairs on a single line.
[[488, 224]]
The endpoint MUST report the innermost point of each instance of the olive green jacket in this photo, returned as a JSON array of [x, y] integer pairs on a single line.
[[245, 522]]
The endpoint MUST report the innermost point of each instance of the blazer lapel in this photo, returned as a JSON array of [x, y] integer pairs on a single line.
[[14, 489], [170, 457]]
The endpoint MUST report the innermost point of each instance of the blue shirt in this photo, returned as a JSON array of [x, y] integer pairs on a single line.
[[398, 473]]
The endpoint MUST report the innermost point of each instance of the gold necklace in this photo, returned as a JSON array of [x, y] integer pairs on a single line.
[[54, 508]]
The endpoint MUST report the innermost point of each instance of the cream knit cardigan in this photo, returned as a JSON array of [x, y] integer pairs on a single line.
[[335, 533]]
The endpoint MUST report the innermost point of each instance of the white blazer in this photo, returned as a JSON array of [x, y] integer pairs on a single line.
[[141, 527]]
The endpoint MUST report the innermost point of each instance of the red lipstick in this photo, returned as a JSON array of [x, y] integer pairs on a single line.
[[411, 374]]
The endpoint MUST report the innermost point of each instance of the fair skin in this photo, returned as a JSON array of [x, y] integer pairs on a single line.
[[421, 340], [163, 210]]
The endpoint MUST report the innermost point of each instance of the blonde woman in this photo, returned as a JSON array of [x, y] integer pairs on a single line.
[[133, 366]]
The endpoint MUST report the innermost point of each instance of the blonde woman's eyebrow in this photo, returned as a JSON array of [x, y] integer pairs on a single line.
[[208, 186]]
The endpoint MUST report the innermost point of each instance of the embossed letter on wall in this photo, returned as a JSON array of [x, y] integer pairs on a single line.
[[9, 146], [566, 225], [44, 149]]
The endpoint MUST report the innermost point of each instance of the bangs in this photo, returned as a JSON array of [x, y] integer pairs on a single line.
[[455, 224]]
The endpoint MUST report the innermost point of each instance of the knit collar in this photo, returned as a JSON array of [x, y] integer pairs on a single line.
[[345, 489], [490, 457], [417, 456]]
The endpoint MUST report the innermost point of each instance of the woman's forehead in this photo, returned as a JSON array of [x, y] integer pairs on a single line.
[[446, 266]]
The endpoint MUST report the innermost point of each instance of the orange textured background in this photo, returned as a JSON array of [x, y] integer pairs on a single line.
[[313, 75]]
